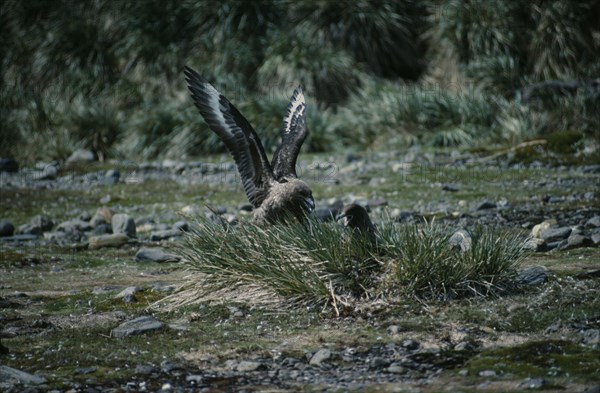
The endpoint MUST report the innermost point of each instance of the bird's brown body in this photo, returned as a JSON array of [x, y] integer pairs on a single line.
[[272, 188]]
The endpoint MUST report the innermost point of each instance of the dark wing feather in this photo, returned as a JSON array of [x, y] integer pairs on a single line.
[[293, 133], [237, 134]]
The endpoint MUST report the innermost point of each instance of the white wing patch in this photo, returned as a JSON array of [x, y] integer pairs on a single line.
[[296, 109]]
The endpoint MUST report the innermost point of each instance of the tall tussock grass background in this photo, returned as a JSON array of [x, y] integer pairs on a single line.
[[321, 265], [106, 75]]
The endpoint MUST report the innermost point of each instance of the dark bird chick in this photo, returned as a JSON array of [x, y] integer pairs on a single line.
[[356, 218], [272, 188]]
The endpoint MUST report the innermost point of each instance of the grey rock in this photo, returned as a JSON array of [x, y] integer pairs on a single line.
[[591, 336], [128, 292], [8, 164], [533, 275], [38, 225], [393, 329], [534, 245], [155, 255], [102, 229], [486, 205], [9, 375], [410, 344], [325, 214], [396, 369], [461, 240], [19, 238], [85, 216], [145, 369], [320, 356], [105, 199], [553, 328], [169, 366], [85, 370], [111, 176], [377, 202], [553, 234], [110, 240], [47, 173], [593, 222], [463, 346], [75, 225], [136, 326], [248, 366], [450, 187], [163, 235], [181, 225], [576, 240], [532, 383], [537, 230], [596, 238], [80, 156], [122, 223], [6, 228], [487, 373]]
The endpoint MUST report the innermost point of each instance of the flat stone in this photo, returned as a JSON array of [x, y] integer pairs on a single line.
[[48, 173], [38, 225], [576, 240], [128, 292], [534, 245], [593, 222], [19, 238], [320, 356], [13, 376], [74, 225], [377, 202], [166, 234], [136, 326], [248, 366], [80, 156], [450, 187], [410, 344], [155, 255], [553, 234], [111, 240], [486, 205], [591, 336], [596, 238], [122, 223], [532, 383], [533, 275], [487, 373], [6, 228]]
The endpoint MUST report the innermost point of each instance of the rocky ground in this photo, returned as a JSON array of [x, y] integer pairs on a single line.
[[85, 254]]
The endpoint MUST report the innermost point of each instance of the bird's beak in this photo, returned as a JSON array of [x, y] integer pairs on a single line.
[[310, 204], [343, 217]]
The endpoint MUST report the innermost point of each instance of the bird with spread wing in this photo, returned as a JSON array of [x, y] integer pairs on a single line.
[[273, 188]]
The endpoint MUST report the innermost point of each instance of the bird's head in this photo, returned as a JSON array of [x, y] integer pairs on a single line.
[[300, 193], [355, 216]]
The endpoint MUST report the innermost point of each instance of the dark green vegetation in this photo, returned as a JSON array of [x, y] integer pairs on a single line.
[[318, 264], [107, 75]]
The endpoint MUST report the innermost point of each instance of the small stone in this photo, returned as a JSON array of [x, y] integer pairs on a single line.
[[105, 199], [19, 238], [47, 173], [127, 292], [461, 240], [320, 356], [145, 369], [136, 326], [103, 229], [168, 366], [553, 328], [6, 228], [533, 275], [85, 370], [85, 216], [38, 225], [410, 344], [591, 336], [8, 164], [75, 225], [80, 156], [486, 205], [155, 255], [122, 223], [534, 245], [377, 202], [112, 176], [393, 329], [593, 222], [464, 372], [248, 366], [596, 238], [487, 373], [166, 234], [532, 383], [379, 362], [14, 376], [450, 187], [112, 240], [554, 234], [396, 369], [463, 346]]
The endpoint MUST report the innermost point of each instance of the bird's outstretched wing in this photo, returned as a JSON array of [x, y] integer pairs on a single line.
[[237, 134], [293, 133]]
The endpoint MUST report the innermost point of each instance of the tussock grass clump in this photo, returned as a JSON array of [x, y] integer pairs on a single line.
[[320, 265]]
